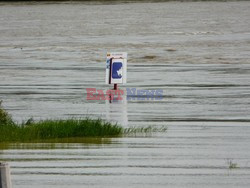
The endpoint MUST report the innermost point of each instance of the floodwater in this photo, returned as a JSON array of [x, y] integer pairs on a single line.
[[196, 52]]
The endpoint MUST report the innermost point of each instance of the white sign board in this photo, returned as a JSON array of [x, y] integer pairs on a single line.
[[116, 68]]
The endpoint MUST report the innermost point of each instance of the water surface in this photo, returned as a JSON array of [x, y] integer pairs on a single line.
[[196, 52]]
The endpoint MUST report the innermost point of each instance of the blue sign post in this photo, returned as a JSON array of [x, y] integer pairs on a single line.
[[116, 68]]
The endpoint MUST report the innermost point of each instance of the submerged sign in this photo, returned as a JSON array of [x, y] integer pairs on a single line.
[[116, 68]]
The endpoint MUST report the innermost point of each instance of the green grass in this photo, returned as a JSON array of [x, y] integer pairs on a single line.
[[5, 118], [59, 130], [143, 131], [53, 129], [231, 164]]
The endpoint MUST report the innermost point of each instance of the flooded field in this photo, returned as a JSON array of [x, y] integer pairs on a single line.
[[196, 52]]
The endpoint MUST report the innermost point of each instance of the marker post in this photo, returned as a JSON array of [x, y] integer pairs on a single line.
[[116, 68], [5, 180], [115, 87]]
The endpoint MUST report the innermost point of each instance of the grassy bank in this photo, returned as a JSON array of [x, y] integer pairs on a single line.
[[53, 129]]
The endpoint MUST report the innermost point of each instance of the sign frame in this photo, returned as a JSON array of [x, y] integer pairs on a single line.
[[120, 76]]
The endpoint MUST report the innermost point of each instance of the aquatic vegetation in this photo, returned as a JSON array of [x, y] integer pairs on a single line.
[[34, 131], [143, 130], [231, 164], [52, 129], [5, 118]]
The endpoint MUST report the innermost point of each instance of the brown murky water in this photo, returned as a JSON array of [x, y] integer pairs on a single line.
[[196, 52]]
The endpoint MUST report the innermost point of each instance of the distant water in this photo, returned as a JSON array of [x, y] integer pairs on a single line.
[[196, 52]]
